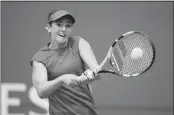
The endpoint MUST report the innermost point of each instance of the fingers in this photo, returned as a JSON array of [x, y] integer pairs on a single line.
[[73, 83], [69, 79], [83, 79], [86, 72], [87, 77]]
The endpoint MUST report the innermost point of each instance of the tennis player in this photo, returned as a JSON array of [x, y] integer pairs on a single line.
[[58, 64]]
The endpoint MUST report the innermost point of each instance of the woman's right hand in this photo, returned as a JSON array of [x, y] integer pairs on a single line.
[[69, 79]]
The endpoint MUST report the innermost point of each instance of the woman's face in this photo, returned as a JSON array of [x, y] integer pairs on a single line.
[[61, 29]]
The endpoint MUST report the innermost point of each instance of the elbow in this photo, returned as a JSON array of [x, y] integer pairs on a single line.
[[42, 95], [41, 92]]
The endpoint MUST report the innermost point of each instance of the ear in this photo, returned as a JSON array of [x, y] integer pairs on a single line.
[[48, 28]]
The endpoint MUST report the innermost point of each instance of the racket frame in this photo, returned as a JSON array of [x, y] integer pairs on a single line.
[[126, 75]]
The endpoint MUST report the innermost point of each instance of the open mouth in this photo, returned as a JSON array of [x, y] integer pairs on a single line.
[[62, 35]]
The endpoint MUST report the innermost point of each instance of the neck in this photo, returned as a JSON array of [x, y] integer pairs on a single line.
[[55, 45]]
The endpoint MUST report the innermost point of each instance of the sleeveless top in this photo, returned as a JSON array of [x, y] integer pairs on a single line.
[[66, 100]]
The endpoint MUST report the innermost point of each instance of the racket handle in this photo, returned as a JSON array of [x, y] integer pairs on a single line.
[[84, 78], [89, 76], [97, 70]]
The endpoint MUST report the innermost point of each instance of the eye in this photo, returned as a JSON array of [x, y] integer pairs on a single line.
[[69, 26], [59, 24]]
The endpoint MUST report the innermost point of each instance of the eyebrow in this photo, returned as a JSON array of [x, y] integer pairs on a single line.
[[60, 21]]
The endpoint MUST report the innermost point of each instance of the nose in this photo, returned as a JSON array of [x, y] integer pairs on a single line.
[[63, 28]]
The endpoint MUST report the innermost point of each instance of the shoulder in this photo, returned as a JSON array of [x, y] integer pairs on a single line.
[[79, 40], [41, 54], [43, 50]]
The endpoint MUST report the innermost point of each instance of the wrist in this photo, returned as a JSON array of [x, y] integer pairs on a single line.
[[60, 81]]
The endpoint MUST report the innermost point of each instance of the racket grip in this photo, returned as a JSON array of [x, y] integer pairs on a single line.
[[87, 77], [83, 79], [97, 70]]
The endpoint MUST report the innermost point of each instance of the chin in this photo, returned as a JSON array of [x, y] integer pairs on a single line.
[[62, 41]]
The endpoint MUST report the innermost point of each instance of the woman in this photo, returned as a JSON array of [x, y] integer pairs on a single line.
[[57, 66]]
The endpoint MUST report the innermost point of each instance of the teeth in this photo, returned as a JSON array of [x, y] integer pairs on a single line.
[[62, 35]]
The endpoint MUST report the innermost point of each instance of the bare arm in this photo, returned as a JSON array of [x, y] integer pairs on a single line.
[[40, 81], [87, 55], [44, 87]]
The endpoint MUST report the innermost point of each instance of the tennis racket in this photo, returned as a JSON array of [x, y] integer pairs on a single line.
[[130, 55]]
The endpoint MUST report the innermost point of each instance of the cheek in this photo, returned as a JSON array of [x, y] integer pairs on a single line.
[[69, 31], [54, 28], [54, 31]]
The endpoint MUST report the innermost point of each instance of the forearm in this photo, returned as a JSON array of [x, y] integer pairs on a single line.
[[45, 89]]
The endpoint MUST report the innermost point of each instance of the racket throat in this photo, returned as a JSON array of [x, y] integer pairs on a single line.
[[114, 63]]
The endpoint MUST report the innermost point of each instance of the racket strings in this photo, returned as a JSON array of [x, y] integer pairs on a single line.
[[130, 66], [121, 56]]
